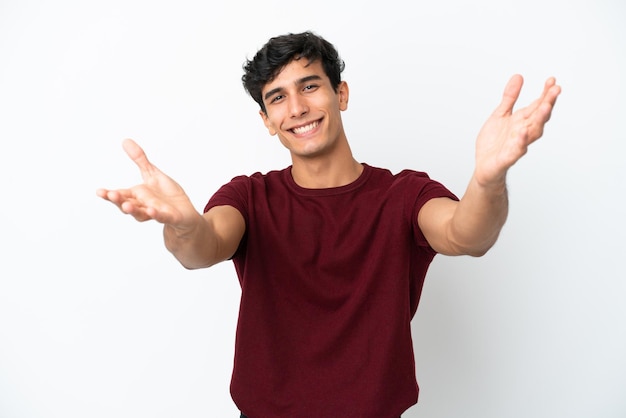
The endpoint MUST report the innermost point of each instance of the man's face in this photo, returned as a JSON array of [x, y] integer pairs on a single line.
[[303, 109]]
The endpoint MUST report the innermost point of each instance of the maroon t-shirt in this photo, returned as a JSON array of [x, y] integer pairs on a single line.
[[330, 281]]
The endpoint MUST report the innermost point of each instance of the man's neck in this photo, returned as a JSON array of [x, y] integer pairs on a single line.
[[324, 174]]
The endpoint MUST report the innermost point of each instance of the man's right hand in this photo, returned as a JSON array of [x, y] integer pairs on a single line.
[[159, 197]]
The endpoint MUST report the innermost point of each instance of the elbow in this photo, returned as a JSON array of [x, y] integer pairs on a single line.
[[188, 266], [480, 249], [191, 264], [475, 248], [190, 261], [477, 252]]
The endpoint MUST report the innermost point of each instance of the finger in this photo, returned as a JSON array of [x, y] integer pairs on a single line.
[[136, 204], [552, 91], [110, 195], [549, 100], [541, 109], [114, 196], [541, 112], [145, 212], [547, 89], [510, 95], [135, 209], [137, 154], [126, 204], [102, 193], [548, 96], [140, 214]]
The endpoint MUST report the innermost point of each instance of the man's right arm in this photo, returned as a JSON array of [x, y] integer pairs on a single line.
[[196, 240], [214, 237]]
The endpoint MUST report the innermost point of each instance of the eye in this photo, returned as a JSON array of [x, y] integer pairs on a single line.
[[310, 87], [276, 98]]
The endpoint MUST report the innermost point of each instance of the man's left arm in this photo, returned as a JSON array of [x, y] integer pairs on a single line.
[[471, 226]]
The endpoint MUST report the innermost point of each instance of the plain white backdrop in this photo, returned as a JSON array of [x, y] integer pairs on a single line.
[[97, 319]]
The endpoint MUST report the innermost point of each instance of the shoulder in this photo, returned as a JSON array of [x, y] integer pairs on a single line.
[[239, 190], [257, 179], [404, 178], [412, 186]]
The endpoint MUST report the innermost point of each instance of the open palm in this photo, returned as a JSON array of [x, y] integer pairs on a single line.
[[159, 197], [506, 135]]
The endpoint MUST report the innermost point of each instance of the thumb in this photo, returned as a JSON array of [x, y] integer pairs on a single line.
[[510, 96], [137, 154]]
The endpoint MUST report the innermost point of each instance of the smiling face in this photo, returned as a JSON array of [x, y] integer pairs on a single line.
[[304, 110]]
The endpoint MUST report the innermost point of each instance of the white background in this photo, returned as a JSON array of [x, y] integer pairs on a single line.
[[97, 319]]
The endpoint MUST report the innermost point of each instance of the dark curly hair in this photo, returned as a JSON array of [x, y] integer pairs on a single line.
[[280, 51]]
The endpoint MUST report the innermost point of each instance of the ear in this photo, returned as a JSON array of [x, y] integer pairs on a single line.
[[267, 123], [344, 94]]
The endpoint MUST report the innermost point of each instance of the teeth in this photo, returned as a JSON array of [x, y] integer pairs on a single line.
[[305, 129]]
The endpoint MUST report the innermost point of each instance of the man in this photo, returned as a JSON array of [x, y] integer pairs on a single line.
[[331, 253]]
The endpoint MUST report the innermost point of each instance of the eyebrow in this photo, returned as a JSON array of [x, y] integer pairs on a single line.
[[300, 81]]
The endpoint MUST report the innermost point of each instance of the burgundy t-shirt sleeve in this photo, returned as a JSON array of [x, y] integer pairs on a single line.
[[234, 193], [428, 189]]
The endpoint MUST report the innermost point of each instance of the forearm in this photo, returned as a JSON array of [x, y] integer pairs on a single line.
[[479, 217], [472, 225], [194, 247]]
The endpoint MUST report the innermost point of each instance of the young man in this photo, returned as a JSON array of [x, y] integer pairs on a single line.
[[331, 253]]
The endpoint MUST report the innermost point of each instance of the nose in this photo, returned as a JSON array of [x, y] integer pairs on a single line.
[[297, 106]]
